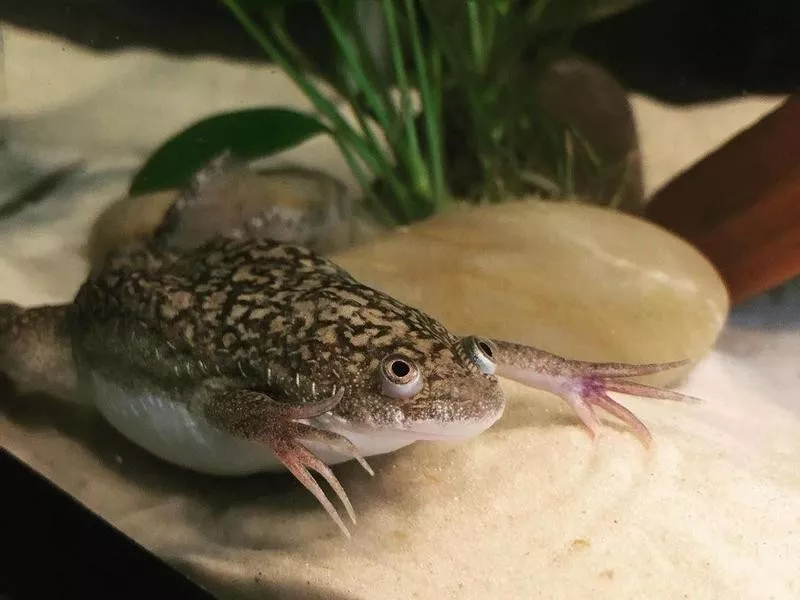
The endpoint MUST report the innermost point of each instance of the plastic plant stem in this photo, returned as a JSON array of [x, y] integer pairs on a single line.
[[375, 155], [353, 61], [362, 84], [431, 107], [476, 36], [417, 167], [377, 104], [321, 103]]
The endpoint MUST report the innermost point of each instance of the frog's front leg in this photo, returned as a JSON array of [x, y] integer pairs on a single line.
[[255, 416], [583, 385]]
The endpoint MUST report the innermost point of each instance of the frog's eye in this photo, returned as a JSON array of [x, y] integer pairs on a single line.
[[400, 377], [482, 352]]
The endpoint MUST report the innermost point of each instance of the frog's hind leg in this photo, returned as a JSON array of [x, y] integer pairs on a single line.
[[255, 416], [35, 350], [227, 198], [203, 209]]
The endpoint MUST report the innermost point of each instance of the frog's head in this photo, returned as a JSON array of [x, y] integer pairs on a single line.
[[431, 388]]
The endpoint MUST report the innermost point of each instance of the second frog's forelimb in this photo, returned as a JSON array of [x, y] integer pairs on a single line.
[[583, 385]]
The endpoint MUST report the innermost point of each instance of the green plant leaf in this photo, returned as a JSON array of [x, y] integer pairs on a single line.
[[248, 134]]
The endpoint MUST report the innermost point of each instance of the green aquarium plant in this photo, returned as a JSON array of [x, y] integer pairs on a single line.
[[440, 92]]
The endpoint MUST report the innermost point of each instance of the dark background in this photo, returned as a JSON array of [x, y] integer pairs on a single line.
[[679, 51]]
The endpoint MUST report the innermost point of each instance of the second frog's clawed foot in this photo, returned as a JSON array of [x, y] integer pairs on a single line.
[[589, 391], [585, 386]]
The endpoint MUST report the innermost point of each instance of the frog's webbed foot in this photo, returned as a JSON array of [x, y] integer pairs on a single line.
[[202, 210], [255, 416], [583, 385]]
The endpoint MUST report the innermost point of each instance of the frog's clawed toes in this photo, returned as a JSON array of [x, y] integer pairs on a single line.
[[585, 392], [255, 416], [285, 439], [336, 441], [583, 385], [298, 460]]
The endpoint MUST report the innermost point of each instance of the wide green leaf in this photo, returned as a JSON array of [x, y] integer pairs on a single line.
[[248, 134]]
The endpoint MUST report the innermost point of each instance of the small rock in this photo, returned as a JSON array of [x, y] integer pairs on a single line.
[[577, 280], [575, 90], [578, 137]]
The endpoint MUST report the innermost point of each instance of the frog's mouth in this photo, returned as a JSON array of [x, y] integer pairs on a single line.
[[372, 440], [382, 441], [435, 430]]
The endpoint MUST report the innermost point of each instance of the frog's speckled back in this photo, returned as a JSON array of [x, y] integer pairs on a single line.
[[244, 306]]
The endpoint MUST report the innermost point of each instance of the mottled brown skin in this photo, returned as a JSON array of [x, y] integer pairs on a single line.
[[233, 309], [265, 334], [34, 350]]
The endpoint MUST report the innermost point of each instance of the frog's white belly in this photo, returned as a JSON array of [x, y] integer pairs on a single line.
[[171, 432], [175, 434]]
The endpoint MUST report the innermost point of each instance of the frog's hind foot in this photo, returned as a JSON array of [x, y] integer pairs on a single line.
[[35, 351], [255, 416], [228, 198], [200, 211]]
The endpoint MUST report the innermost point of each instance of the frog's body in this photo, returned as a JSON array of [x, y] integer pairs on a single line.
[[245, 355], [157, 335]]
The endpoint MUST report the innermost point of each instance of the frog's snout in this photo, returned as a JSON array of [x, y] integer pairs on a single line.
[[458, 407]]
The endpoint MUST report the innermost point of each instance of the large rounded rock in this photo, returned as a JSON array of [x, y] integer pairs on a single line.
[[577, 280]]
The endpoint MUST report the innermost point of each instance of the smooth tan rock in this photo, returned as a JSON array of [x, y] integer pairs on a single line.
[[570, 278]]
